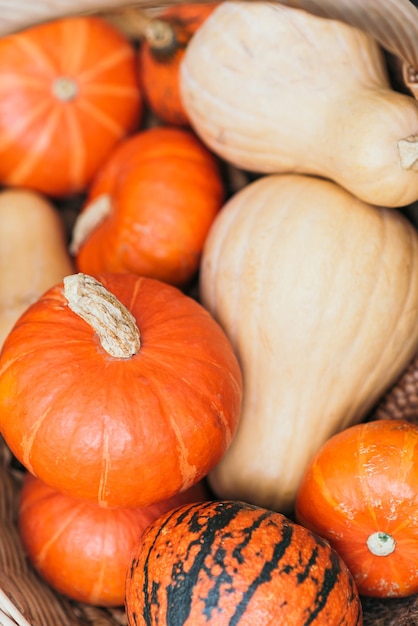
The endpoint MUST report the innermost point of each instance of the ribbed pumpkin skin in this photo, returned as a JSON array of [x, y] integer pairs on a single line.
[[165, 189], [318, 294], [364, 481], [229, 563], [119, 431], [83, 550], [267, 87], [159, 70], [55, 145]]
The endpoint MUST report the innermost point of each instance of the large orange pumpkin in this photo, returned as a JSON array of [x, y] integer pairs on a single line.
[[360, 491], [83, 550], [124, 392], [69, 92], [150, 207], [229, 562], [161, 51]]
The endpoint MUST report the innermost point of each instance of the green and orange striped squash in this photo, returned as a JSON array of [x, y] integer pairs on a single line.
[[220, 563], [69, 91]]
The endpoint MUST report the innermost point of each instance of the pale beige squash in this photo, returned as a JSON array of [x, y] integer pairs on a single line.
[[318, 293], [276, 89], [33, 252]]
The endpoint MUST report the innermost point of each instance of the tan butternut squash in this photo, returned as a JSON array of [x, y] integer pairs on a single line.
[[276, 89], [33, 252], [318, 293]]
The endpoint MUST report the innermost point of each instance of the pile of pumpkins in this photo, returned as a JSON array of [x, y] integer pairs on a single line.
[[187, 377]]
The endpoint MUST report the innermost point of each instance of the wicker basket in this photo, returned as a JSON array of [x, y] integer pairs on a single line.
[[25, 599]]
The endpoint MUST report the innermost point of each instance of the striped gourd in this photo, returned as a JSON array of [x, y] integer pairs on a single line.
[[221, 563]]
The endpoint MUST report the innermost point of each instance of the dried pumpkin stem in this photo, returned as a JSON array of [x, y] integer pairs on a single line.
[[131, 20], [161, 36], [110, 319], [89, 219], [408, 152]]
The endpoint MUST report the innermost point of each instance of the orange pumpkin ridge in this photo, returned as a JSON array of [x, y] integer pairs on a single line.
[[83, 550], [119, 427], [150, 207], [70, 91]]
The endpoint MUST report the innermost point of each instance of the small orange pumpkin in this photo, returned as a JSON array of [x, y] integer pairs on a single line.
[[124, 392], [360, 492], [83, 550], [150, 207], [161, 51], [229, 562], [69, 92]]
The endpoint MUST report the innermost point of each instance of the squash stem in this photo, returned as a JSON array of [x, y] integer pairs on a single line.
[[88, 220], [381, 544], [110, 319], [65, 88], [408, 152], [161, 37]]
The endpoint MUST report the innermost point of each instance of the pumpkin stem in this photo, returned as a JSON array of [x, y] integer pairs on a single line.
[[161, 37], [64, 88], [410, 78], [408, 152], [88, 220], [131, 20], [381, 544], [110, 319]]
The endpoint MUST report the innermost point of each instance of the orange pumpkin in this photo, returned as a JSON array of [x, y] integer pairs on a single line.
[[360, 491], [124, 392], [69, 91], [229, 562], [150, 208], [83, 550], [161, 51]]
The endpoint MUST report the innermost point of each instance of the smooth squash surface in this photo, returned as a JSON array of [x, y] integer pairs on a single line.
[[318, 293], [33, 252], [276, 89]]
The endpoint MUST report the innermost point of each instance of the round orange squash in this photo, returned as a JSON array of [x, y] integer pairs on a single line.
[[124, 392], [360, 492], [150, 208], [219, 563], [83, 550], [161, 51], [69, 92]]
